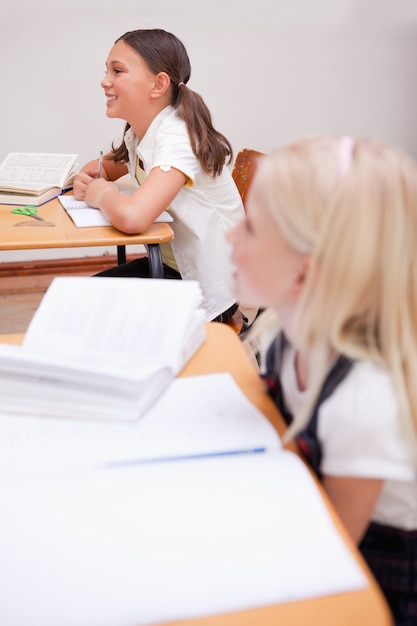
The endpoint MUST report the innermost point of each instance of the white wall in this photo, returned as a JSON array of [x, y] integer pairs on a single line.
[[269, 70]]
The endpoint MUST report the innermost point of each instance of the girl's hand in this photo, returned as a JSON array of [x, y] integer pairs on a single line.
[[96, 188], [109, 171], [81, 182]]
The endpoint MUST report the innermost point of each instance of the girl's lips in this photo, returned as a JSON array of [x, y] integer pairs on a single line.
[[110, 101]]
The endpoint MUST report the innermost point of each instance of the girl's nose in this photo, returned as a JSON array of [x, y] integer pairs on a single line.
[[105, 82]]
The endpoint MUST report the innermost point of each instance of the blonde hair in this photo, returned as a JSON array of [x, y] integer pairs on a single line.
[[360, 228]]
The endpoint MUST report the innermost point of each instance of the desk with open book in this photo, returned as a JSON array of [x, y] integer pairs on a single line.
[[188, 584], [64, 234]]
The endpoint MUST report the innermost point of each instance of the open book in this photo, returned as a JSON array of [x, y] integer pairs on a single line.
[[84, 215], [102, 348], [35, 177]]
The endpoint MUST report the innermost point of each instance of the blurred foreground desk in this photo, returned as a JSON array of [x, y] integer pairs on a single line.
[[64, 234], [223, 351]]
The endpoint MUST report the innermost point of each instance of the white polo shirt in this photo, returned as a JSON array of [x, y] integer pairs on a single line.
[[204, 210], [361, 435]]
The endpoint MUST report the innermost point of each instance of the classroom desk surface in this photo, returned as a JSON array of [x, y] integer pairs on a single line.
[[223, 351], [64, 233]]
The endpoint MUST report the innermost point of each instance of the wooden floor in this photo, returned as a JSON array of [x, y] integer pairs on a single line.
[[22, 286], [17, 310], [18, 307]]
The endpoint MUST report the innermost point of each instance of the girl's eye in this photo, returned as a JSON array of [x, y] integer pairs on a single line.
[[115, 71]]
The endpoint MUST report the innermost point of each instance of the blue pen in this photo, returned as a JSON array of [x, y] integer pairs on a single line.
[[183, 457], [65, 189]]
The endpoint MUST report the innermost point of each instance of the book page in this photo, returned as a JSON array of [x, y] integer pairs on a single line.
[[98, 317], [169, 541], [35, 171]]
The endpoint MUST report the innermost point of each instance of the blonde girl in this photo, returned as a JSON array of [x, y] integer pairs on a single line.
[[328, 248]]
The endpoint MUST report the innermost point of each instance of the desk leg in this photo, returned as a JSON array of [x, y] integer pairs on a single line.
[[121, 255], [155, 260]]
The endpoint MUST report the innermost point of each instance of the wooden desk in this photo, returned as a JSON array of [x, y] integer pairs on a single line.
[[64, 234], [223, 351]]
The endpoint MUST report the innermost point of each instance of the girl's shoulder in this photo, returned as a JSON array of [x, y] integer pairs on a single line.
[[366, 395], [168, 120], [369, 382], [361, 428], [169, 133]]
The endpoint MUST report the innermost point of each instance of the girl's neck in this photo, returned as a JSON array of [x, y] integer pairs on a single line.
[[142, 122], [300, 358], [301, 370]]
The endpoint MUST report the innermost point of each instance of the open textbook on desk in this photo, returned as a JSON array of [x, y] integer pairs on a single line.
[[35, 177], [102, 348], [194, 510]]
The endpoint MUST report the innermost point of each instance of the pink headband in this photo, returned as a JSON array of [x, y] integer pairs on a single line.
[[346, 145]]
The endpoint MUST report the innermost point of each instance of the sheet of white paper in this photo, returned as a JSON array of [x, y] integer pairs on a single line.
[[155, 543], [195, 415]]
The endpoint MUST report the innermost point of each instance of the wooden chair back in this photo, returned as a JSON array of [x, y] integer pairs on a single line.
[[244, 169]]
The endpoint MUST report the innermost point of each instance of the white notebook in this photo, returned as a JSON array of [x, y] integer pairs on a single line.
[[85, 216]]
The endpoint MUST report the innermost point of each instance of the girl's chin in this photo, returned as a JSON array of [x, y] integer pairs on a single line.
[[245, 295], [111, 110]]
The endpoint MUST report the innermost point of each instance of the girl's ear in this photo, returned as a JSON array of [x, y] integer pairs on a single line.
[[301, 276], [161, 85]]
